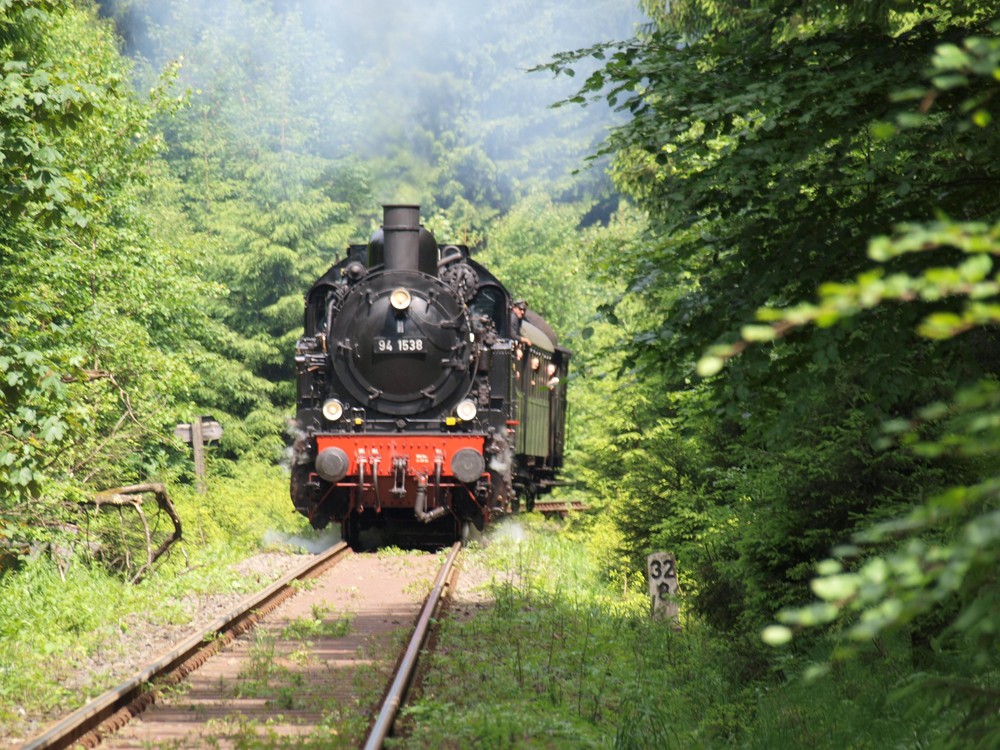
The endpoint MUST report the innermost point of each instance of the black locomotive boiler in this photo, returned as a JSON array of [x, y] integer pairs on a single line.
[[425, 405]]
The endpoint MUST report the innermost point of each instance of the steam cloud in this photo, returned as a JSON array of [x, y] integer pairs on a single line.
[[389, 79], [314, 543]]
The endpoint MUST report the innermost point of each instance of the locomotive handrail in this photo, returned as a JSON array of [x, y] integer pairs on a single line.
[[450, 257]]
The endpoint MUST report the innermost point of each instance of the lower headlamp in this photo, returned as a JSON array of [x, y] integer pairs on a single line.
[[466, 410], [333, 409]]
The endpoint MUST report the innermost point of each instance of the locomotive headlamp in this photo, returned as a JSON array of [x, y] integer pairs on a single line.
[[466, 410], [400, 299], [333, 409]]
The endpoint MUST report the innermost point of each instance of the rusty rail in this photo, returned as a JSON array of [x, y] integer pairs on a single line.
[[112, 710], [408, 666], [558, 507]]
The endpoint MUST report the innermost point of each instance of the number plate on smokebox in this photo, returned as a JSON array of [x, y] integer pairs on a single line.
[[406, 345]]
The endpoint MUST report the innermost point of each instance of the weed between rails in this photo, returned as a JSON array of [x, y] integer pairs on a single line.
[[318, 626], [272, 675]]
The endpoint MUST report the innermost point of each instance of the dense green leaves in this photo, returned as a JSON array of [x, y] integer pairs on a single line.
[[35, 421], [103, 311], [948, 544], [156, 248], [154, 252], [769, 142]]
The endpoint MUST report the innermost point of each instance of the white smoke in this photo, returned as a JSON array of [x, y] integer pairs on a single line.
[[508, 529], [363, 79], [314, 543], [501, 462]]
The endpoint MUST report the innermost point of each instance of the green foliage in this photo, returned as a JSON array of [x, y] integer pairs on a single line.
[[861, 705], [938, 562], [457, 125], [49, 622], [57, 618], [101, 313], [40, 100], [760, 168], [769, 20], [536, 251], [35, 417], [239, 511], [562, 659], [254, 193], [942, 554], [768, 142], [279, 149], [320, 625], [540, 252]]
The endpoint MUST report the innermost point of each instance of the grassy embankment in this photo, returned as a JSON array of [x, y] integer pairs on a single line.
[[554, 657], [57, 623], [564, 660]]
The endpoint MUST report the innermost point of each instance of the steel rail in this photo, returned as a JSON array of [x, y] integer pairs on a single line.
[[408, 666], [112, 710]]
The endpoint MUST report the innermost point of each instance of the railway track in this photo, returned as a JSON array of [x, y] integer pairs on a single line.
[[403, 678], [558, 508], [189, 708]]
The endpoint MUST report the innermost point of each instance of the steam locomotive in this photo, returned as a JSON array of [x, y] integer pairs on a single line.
[[426, 405]]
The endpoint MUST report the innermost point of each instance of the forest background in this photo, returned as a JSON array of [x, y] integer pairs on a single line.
[[777, 277]]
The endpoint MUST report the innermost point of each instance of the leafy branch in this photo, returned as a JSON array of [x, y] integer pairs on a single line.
[[972, 279]]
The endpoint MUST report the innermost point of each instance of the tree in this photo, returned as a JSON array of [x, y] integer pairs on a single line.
[[939, 560], [266, 212], [765, 143], [102, 310]]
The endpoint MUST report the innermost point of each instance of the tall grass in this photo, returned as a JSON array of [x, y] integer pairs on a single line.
[[561, 660]]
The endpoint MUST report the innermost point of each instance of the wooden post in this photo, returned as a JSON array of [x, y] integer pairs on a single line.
[[661, 572], [197, 442], [200, 431]]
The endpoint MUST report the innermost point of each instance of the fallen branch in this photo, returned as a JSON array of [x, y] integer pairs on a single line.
[[132, 496]]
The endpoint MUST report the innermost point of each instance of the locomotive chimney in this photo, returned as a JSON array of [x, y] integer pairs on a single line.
[[406, 245]]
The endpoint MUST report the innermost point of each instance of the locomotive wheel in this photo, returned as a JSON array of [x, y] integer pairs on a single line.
[[349, 531]]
